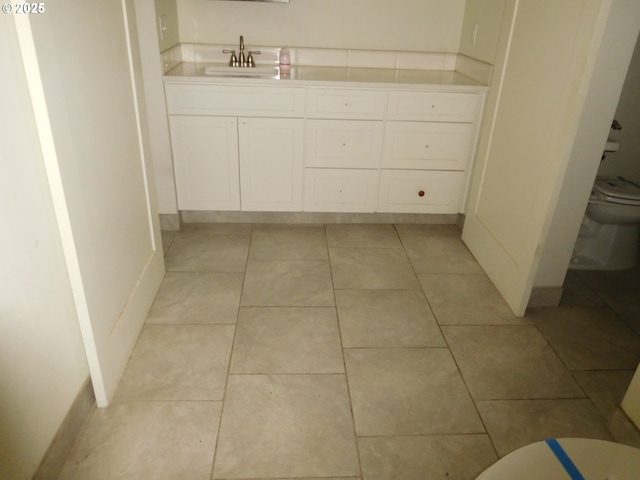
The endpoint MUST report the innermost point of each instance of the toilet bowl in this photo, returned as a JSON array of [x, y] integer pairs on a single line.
[[568, 459], [610, 231]]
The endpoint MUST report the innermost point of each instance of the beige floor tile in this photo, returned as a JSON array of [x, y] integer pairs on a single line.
[[625, 303], [588, 338], [287, 340], [509, 362], [577, 293], [206, 252], [467, 299], [454, 457], [290, 426], [515, 423], [386, 318], [146, 440], [288, 408], [371, 268], [197, 298], [178, 362], [288, 242], [605, 388], [167, 237], [289, 283], [408, 391], [362, 236], [440, 254], [628, 279]]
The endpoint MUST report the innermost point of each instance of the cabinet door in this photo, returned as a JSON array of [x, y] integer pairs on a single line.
[[271, 163], [205, 155]]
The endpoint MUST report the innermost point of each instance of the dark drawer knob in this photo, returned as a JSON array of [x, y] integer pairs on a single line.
[[421, 193]]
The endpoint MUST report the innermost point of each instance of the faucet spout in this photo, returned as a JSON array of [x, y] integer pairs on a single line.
[[241, 59]]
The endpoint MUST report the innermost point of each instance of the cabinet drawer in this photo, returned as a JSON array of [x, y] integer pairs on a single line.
[[439, 146], [344, 143], [234, 100], [357, 104], [407, 191], [340, 190], [433, 106]]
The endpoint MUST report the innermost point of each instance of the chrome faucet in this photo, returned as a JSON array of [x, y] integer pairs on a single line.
[[241, 60]]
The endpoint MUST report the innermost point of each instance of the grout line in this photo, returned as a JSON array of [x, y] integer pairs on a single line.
[[231, 351], [448, 347], [344, 361]]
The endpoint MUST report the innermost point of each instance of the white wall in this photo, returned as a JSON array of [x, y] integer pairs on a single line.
[[155, 103], [42, 360], [169, 10], [626, 161], [414, 25], [481, 29], [611, 67]]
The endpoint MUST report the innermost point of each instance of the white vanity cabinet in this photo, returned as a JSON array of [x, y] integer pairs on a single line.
[[237, 147], [343, 148], [428, 145], [317, 148]]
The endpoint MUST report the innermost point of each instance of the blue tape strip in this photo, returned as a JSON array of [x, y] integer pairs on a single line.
[[564, 459]]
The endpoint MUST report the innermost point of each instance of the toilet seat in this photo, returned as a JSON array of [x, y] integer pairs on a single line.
[[617, 190], [593, 459]]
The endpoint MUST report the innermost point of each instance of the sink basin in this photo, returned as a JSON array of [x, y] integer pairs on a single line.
[[241, 72]]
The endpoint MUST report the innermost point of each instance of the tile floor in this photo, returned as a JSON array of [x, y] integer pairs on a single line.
[[355, 352]]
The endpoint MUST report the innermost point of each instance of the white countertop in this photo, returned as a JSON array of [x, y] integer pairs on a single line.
[[187, 72]]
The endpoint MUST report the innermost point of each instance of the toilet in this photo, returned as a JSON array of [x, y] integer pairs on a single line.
[[568, 459], [610, 231]]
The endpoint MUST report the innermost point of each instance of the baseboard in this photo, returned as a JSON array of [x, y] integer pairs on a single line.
[[545, 297], [196, 216], [169, 221], [62, 443], [622, 429]]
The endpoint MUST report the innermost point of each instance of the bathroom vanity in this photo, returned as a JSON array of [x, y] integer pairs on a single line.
[[322, 138]]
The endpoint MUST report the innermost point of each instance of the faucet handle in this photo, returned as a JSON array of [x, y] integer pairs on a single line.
[[250, 61], [233, 61]]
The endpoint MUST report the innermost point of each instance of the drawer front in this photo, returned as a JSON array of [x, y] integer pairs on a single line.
[[230, 100], [340, 190], [439, 146], [407, 191], [343, 143], [433, 106], [357, 104]]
